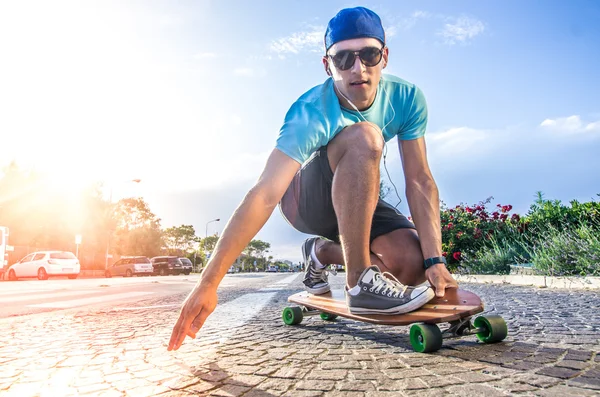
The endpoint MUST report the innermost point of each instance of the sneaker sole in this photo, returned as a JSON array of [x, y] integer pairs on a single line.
[[414, 304], [318, 291]]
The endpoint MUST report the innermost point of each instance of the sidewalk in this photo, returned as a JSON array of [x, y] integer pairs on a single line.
[[552, 349]]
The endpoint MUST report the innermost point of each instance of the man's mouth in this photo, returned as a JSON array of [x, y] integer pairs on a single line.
[[360, 82]]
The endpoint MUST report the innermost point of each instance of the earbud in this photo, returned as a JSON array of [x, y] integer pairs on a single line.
[[328, 72]]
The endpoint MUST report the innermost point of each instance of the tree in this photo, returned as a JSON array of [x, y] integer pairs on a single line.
[[137, 229], [255, 251], [180, 240]]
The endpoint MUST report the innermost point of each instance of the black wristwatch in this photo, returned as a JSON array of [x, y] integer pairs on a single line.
[[434, 261]]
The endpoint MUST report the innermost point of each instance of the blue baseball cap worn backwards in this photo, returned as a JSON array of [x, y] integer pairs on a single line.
[[353, 23]]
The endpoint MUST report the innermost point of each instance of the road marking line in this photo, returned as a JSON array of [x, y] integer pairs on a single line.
[[287, 280], [30, 297], [90, 301], [116, 309]]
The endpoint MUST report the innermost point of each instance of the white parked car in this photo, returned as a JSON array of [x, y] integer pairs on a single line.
[[44, 264]]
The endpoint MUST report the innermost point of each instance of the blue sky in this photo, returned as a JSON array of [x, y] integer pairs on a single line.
[[189, 96]]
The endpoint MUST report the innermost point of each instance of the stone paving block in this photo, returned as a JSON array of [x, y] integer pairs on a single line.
[[92, 388], [318, 385], [201, 387], [345, 364], [147, 391], [475, 390], [509, 386], [245, 380], [263, 393], [475, 377], [277, 384], [367, 374], [214, 376], [537, 380], [229, 391], [446, 369], [341, 393], [404, 384], [559, 372], [585, 382], [182, 382], [386, 394], [406, 373], [291, 373], [573, 364], [326, 374], [441, 381], [562, 391], [578, 355], [355, 385]]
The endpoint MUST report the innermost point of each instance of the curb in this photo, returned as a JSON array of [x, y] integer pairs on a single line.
[[535, 281]]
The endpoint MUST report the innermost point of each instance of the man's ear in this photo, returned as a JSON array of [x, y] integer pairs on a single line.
[[326, 65]]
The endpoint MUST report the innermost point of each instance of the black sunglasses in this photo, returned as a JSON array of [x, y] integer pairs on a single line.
[[369, 56]]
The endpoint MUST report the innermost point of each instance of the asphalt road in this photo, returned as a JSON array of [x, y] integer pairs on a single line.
[[27, 297]]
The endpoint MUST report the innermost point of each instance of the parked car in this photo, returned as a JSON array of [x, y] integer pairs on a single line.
[[188, 266], [129, 266], [44, 264], [164, 265]]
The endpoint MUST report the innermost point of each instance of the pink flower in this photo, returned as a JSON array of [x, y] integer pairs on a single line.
[[444, 254], [450, 226], [495, 215], [459, 234], [515, 218], [456, 256]]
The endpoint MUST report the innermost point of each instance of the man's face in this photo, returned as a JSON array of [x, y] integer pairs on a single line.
[[359, 82]]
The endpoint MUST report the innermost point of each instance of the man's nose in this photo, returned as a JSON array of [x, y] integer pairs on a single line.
[[357, 66]]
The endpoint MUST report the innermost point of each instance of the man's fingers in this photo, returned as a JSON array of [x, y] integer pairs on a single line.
[[180, 330], [440, 290]]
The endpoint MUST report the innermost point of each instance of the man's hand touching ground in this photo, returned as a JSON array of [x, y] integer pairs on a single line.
[[199, 304], [440, 278]]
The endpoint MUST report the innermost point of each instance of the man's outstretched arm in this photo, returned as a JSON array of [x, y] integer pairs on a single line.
[[244, 224], [424, 203]]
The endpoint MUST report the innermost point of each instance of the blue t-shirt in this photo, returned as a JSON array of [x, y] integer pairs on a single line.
[[317, 116]]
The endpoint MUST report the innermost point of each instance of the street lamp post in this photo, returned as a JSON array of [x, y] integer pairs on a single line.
[[206, 231], [108, 232]]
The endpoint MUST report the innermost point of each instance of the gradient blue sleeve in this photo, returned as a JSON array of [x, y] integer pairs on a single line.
[[298, 135], [415, 123]]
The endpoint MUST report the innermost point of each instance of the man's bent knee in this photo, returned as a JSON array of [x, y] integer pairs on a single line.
[[363, 139]]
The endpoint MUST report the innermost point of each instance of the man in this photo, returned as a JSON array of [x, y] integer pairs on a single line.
[[324, 172]]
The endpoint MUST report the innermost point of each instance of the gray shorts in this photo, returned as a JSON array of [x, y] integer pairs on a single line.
[[308, 206]]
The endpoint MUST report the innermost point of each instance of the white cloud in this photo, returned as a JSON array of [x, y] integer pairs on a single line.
[[572, 125], [307, 41], [244, 72], [462, 30], [411, 21], [205, 55]]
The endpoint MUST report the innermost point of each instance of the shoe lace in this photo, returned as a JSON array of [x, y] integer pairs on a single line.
[[320, 274], [386, 284]]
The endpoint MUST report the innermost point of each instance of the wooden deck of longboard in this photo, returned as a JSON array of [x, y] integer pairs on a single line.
[[456, 304]]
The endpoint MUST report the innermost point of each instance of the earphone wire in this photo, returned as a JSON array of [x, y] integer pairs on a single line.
[[382, 137]]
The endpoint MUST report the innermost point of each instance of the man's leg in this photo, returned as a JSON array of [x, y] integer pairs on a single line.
[[397, 252], [354, 156]]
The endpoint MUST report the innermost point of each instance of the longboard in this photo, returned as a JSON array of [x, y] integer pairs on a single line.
[[456, 307]]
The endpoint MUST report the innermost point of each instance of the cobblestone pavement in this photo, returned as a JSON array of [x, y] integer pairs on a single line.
[[552, 350]]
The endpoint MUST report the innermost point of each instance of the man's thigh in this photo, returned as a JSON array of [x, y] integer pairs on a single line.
[[307, 204]]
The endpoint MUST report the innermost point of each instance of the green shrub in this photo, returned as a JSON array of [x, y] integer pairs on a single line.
[[566, 251]]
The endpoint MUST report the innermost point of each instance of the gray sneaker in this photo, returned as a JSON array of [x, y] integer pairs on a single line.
[[382, 293], [315, 278]]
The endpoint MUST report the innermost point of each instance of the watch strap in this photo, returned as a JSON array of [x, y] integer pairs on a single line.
[[434, 261]]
